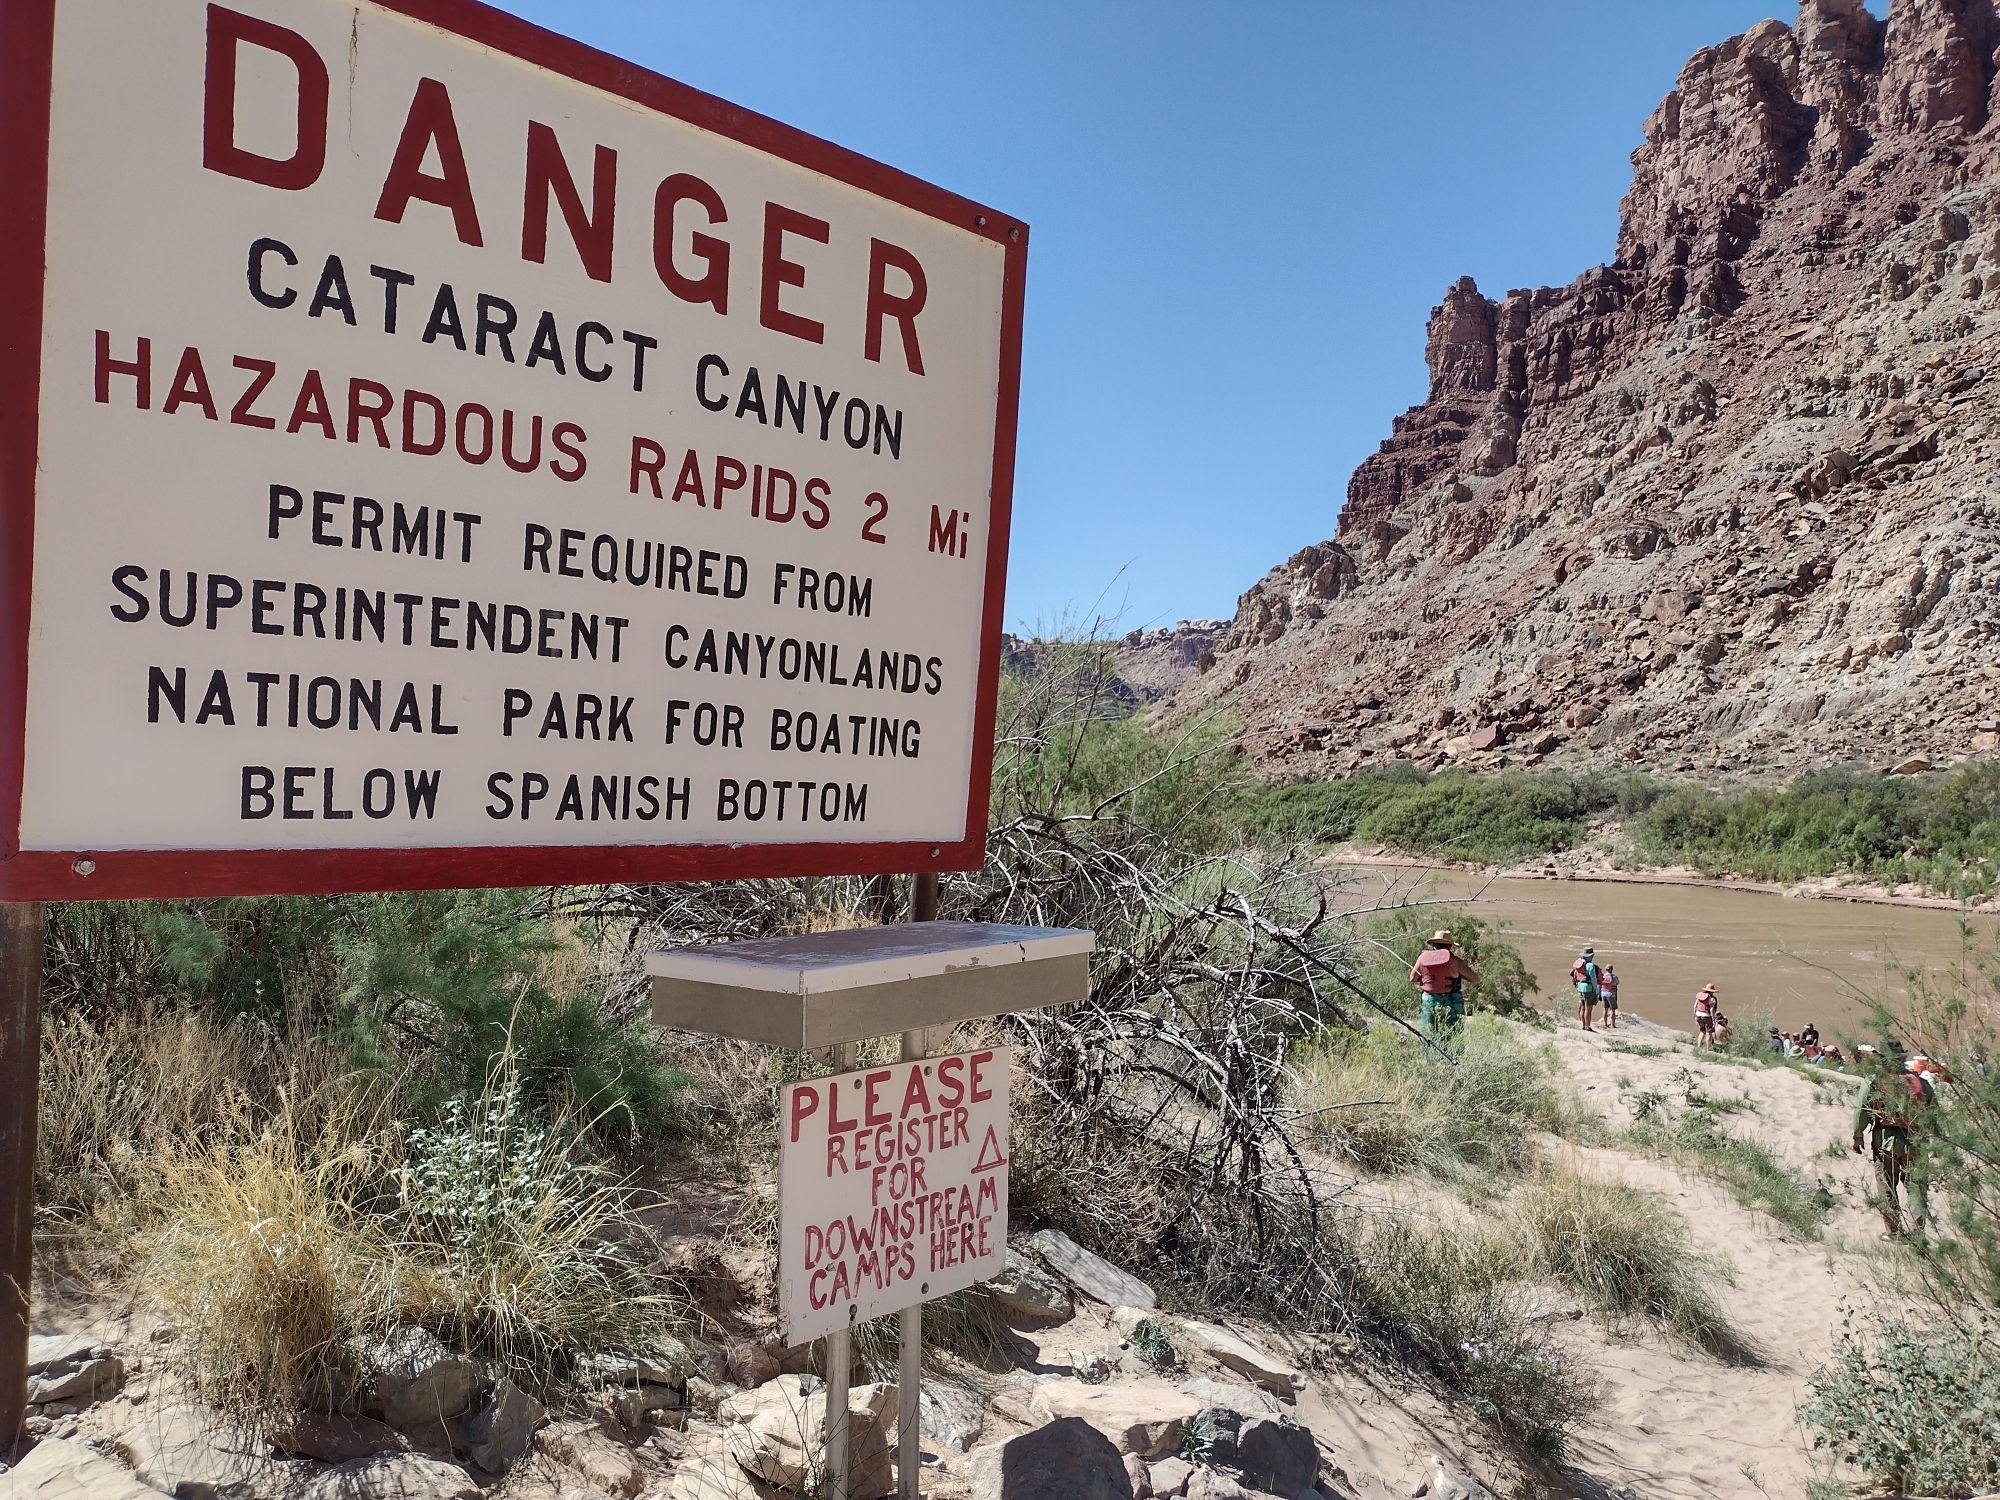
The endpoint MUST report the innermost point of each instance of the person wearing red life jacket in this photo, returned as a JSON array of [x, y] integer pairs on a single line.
[[1607, 991], [1441, 976], [1893, 1105], [1706, 1009], [1588, 979]]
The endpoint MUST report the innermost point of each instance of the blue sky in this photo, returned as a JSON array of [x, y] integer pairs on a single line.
[[1242, 215]]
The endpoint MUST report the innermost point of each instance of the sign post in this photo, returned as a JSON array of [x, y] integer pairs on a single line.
[[892, 1180], [434, 453], [20, 1067]]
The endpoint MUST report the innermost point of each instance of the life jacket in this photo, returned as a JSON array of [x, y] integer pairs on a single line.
[[1608, 985], [1704, 1004], [1895, 1111], [1579, 972], [1434, 975]]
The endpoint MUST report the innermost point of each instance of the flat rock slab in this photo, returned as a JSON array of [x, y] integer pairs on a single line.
[[83, 1381], [1090, 1274], [392, 1476], [51, 1351], [1243, 1398], [1240, 1355], [1142, 1420], [58, 1470], [334, 1439], [189, 1451], [713, 1477]]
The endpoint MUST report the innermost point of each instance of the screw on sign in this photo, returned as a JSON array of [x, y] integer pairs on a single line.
[[892, 1188]]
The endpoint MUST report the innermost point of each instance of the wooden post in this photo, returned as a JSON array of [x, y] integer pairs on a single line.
[[910, 1321], [20, 1079], [838, 1366]]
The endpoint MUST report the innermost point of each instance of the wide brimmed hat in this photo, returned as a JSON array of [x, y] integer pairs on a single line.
[[1442, 935], [1708, 989]]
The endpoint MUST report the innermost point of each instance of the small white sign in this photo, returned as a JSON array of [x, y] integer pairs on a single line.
[[892, 1188]]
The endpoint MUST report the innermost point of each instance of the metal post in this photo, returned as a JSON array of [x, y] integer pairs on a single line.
[[20, 1086], [837, 1363], [910, 1321]]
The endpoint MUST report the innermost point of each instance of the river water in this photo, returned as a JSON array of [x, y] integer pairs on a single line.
[[1793, 960]]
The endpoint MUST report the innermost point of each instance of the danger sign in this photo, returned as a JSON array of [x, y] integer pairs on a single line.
[[892, 1188], [435, 453]]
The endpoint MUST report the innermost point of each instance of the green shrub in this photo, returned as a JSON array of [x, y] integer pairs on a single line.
[[1915, 1405]]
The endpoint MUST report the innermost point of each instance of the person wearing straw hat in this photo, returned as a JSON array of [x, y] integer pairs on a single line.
[[1706, 1009], [1440, 976]]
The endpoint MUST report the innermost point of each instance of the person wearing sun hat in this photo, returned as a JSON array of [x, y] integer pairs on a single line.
[[1441, 976], [1706, 1009], [1587, 978]]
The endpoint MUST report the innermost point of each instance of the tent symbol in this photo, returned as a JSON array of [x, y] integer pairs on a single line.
[[990, 1157]]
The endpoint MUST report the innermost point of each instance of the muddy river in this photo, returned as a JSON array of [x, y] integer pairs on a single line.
[[1794, 960]]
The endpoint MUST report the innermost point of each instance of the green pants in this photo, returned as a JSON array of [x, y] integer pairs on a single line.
[[1440, 1015], [1897, 1163]]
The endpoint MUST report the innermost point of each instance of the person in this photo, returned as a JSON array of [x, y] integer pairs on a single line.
[[1585, 975], [1891, 1107], [1809, 1037], [1607, 989], [1775, 1042], [1441, 976], [1706, 1008], [1721, 1029]]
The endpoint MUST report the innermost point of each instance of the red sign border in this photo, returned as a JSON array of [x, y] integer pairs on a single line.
[[27, 29]]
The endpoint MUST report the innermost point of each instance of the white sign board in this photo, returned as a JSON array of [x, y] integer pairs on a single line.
[[443, 454], [892, 1188]]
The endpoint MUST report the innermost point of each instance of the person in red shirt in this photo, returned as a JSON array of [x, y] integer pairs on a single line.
[[1706, 1009]]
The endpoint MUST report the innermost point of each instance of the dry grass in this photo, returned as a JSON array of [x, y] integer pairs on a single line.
[[1627, 1254], [266, 1257], [1388, 1104]]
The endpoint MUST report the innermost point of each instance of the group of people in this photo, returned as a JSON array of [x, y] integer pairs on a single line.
[[1804, 1044], [1594, 987]]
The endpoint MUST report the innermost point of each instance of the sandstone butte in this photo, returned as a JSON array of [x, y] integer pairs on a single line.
[[1732, 500]]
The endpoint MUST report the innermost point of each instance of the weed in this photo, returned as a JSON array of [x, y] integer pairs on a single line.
[[1154, 1348], [1634, 1049], [1915, 1405], [1748, 1169]]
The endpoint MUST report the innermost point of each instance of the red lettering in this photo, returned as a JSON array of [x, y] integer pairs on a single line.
[[648, 458], [139, 367], [549, 176], [779, 272], [689, 483], [872, 1109], [311, 409], [712, 286], [980, 1093], [903, 307], [805, 1101], [834, 1123], [261, 372], [916, 1096], [228, 32], [950, 1082], [430, 122], [190, 384]]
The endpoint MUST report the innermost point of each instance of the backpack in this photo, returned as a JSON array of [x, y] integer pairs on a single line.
[[1579, 972], [1897, 1115]]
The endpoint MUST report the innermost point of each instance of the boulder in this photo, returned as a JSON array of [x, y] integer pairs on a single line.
[[1268, 1453], [500, 1432], [1242, 1356], [1025, 1293], [1442, 1482], [1139, 1476], [413, 1379], [634, 1406], [710, 1476], [603, 1461], [950, 1415], [190, 1452], [778, 1433], [62, 1351], [669, 1366], [749, 1364], [59, 1470], [1170, 1477], [334, 1439], [1091, 1274], [81, 1383], [1213, 1484], [391, 1476], [1142, 1420], [1066, 1460]]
